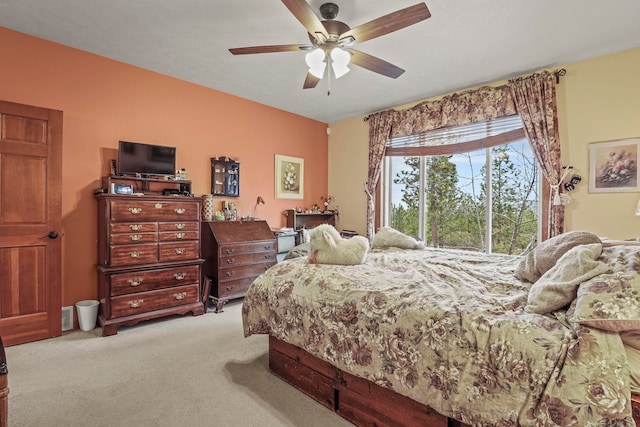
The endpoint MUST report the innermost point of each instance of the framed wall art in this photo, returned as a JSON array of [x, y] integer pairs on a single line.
[[289, 177], [613, 166]]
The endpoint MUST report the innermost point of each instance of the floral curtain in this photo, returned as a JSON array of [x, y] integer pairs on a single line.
[[535, 99], [480, 105], [379, 130], [474, 106]]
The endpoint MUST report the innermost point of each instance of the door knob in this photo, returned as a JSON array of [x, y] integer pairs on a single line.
[[52, 235]]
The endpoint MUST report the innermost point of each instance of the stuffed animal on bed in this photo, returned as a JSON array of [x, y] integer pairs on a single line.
[[328, 247]]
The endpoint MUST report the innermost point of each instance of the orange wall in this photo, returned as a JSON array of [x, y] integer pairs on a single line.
[[104, 101]]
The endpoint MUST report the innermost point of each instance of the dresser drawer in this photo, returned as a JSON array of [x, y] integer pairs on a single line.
[[128, 227], [179, 251], [142, 302], [246, 248], [145, 253], [140, 210], [243, 259], [240, 272], [179, 226], [130, 282], [129, 238], [169, 236], [232, 289]]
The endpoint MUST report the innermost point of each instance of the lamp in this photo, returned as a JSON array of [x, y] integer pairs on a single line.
[[339, 61], [259, 201], [318, 58], [316, 62]]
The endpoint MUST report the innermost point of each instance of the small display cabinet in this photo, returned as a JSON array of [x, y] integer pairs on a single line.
[[225, 177]]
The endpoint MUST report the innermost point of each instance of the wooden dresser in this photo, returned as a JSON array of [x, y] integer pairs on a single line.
[[149, 262], [235, 253]]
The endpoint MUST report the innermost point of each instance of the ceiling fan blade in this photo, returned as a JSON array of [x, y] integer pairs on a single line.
[[374, 64], [310, 81], [269, 49], [388, 23], [303, 13]]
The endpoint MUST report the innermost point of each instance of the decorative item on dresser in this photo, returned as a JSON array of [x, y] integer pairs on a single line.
[[148, 258], [235, 253]]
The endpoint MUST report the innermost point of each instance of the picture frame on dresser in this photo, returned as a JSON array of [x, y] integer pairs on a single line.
[[289, 177]]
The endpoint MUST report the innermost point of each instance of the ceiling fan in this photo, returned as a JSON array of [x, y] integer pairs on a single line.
[[332, 41]]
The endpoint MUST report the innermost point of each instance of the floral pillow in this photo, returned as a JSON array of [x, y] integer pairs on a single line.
[[611, 301]]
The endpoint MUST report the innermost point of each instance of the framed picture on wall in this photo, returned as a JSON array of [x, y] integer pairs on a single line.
[[613, 166], [289, 177]]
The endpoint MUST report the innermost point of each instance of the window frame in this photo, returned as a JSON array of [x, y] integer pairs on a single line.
[[382, 204]]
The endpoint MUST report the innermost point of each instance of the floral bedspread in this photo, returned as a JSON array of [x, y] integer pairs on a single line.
[[447, 329]]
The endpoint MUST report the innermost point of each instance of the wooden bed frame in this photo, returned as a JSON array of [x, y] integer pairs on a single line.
[[356, 399]]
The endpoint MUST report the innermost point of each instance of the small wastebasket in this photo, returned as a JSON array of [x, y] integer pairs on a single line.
[[87, 314]]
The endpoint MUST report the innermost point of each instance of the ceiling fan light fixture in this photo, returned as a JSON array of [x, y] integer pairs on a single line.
[[339, 60], [316, 62]]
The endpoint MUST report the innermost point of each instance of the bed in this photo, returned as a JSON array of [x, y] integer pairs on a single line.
[[448, 338]]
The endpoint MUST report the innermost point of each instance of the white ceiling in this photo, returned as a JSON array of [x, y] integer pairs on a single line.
[[463, 44]]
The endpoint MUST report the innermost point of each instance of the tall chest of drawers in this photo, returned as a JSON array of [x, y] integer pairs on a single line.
[[149, 263], [235, 253]]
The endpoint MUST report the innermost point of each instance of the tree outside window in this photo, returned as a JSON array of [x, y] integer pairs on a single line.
[[468, 199]]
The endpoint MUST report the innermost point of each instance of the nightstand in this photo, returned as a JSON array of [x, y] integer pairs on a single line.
[[285, 241]]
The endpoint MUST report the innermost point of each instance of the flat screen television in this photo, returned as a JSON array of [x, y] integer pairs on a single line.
[[145, 159]]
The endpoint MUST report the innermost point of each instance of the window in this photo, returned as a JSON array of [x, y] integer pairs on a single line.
[[471, 187]]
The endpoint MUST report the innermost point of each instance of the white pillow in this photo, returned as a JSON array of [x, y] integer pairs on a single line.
[[558, 286], [389, 237]]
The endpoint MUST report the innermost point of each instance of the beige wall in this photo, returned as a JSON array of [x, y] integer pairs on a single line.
[[598, 100]]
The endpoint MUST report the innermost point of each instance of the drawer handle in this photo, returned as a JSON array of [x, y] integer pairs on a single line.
[[134, 254], [267, 256], [231, 260], [135, 211], [180, 226], [180, 211], [180, 295], [180, 251], [230, 250], [179, 276], [135, 282], [135, 237], [268, 247], [135, 227], [180, 235], [230, 273], [136, 303], [158, 205], [230, 288]]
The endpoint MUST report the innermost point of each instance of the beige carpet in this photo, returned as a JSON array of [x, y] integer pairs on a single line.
[[178, 371]]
